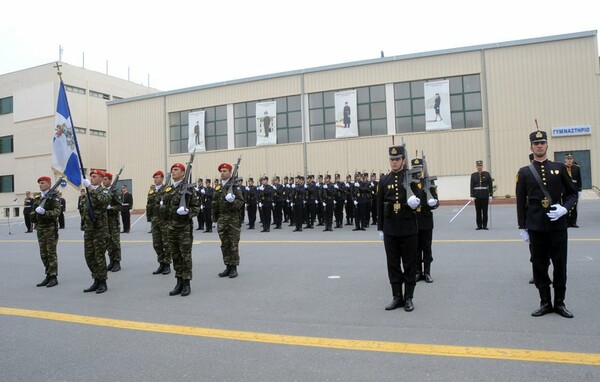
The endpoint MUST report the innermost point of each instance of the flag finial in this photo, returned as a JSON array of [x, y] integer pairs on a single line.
[[57, 66]]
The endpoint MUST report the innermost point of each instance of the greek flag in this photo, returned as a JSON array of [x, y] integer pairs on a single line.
[[64, 146]]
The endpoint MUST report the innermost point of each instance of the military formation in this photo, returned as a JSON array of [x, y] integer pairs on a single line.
[[399, 204]]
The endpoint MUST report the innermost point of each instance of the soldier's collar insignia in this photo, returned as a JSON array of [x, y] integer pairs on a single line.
[[151, 191], [217, 188], [168, 189], [37, 196]]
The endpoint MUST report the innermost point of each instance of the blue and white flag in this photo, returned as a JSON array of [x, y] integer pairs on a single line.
[[64, 153]]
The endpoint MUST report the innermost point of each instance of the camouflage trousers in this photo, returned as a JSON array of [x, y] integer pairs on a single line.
[[47, 240], [95, 247], [113, 244], [180, 240], [229, 232], [160, 241]]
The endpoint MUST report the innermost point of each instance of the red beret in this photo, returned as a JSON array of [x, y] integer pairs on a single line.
[[179, 165], [108, 175], [225, 165], [98, 172], [158, 173], [44, 179]]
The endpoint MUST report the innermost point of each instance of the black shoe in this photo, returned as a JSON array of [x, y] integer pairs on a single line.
[[93, 287], [363, 229], [408, 305], [167, 269], [574, 226], [226, 272], [178, 287], [116, 267], [428, 279], [396, 303], [419, 277], [110, 266], [233, 273], [544, 308], [485, 228], [531, 281], [198, 229], [44, 282], [277, 227], [478, 228], [297, 230], [562, 310], [356, 229], [186, 288], [53, 282], [160, 269], [101, 287], [263, 230], [28, 231]]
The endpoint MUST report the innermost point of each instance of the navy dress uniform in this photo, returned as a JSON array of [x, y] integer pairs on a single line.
[[545, 194], [481, 189], [397, 225]]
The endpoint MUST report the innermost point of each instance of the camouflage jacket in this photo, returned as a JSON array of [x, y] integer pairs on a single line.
[[52, 208], [222, 209], [100, 198], [153, 203], [171, 199]]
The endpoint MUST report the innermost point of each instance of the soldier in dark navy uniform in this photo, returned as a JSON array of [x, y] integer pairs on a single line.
[[481, 192], [298, 201], [312, 198], [265, 202], [545, 194], [361, 215], [575, 174], [340, 199], [209, 191], [349, 200], [425, 223], [278, 200], [397, 226], [373, 187], [327, 197], [251, 200]]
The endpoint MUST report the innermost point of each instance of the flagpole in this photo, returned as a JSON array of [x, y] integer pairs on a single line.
[[87, 192]]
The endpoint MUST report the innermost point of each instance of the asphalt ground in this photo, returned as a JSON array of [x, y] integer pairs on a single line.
[[307, 306]]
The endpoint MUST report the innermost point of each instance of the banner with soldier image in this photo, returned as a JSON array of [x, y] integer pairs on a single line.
[[266, 123], [345, 114], [437, 105], [196, 132]]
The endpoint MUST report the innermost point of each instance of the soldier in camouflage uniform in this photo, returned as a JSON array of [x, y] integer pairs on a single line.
[[180, 226], [158, 225], [226, 212], [113, 212], [95, 232], [46, 223]]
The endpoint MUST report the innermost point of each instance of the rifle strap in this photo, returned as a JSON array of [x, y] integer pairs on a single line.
[[540, 183]]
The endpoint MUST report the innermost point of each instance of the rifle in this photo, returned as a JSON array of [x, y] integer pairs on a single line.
[[408, 181], [234, 175], [51, 192], [186, 185], [113, 186], [428, 179]]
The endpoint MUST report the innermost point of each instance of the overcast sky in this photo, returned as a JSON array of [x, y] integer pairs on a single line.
[[177, 44]]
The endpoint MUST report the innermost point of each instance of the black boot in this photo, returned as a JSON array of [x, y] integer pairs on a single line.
[[93, 287], [167, 269], [160, 269], [233, 272], [186, 288], [178, 287], [44, 282], [545, 304], [101, 287], [226, 272], [408, 296], [53, 282], [427, 273], [116, 266], [110, 265], [559, 303], [397, 301]]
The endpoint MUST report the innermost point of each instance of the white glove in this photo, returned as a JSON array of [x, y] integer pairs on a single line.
[[356, 203], [201, 207], [86, 182], [305, 186], [230, 198], [431, 202], [260, 205], [260, 188], [346, 184], [247, 188], [524, 235], [161, 202], [490, 198], [336, 186], [318, 184], [40, 210], [356, 184], [413, 202], [182, 211], [579, 195], [287, 200], [293, 186], [556, 211], [372, 185], [380, 235], [203, 191], [325, 186], [292, 204], [334, 202], [109, 207], [324, 204]]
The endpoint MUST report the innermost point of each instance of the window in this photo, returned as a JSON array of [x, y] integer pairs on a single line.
[[465, 104], [178, 132], [215, 133], [322, 115], [99, 95], [7, 183], [74, 89], [6, 105], [289, 119], [371, 111], [6, 144], [244, 122], [80, 130], [98, 133]]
